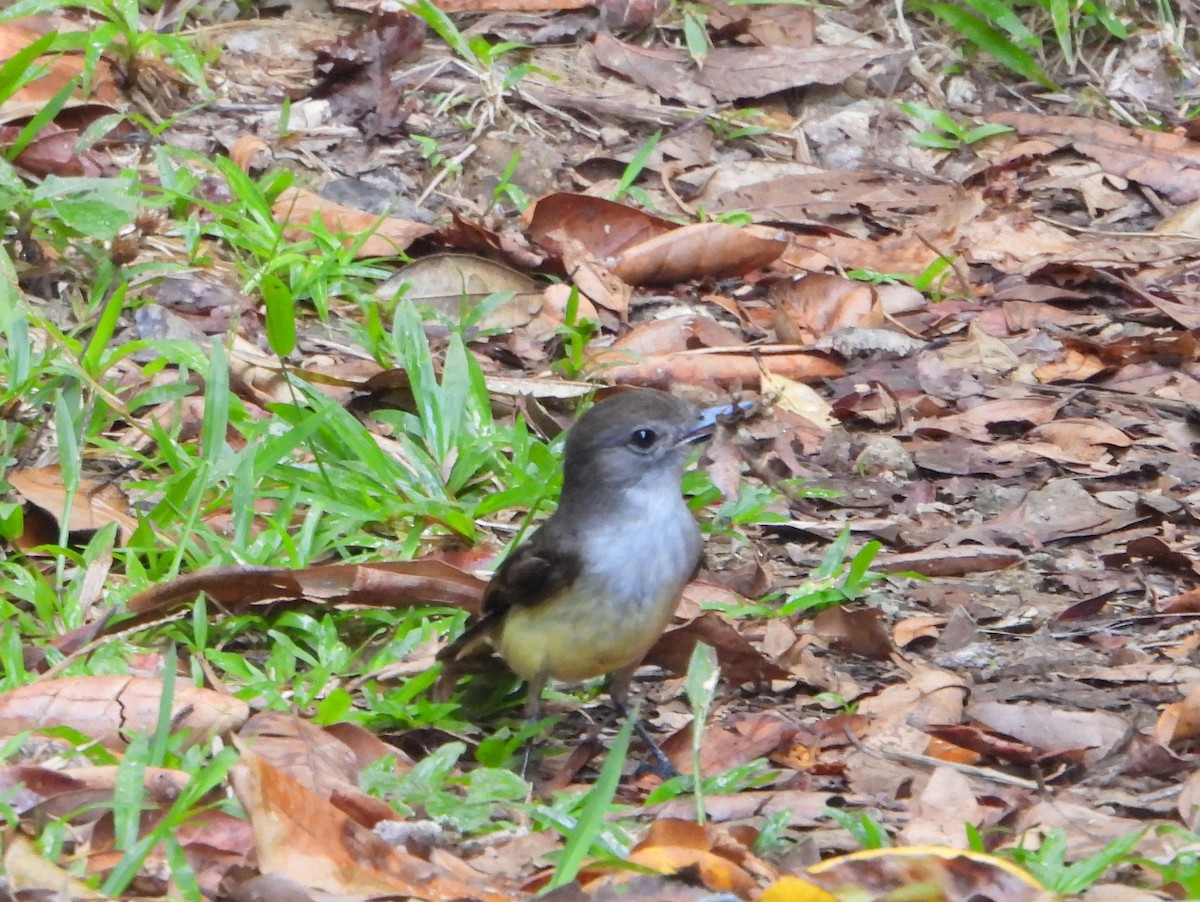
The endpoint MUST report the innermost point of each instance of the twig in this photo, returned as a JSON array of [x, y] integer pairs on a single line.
[[913, 758]]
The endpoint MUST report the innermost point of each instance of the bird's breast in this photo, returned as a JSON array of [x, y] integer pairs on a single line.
[[635, 566]]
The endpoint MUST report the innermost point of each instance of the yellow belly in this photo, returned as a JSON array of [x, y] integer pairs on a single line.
[[576, 637]]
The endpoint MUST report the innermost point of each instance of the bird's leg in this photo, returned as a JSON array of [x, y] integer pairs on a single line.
[[533, 712], [618, 691]]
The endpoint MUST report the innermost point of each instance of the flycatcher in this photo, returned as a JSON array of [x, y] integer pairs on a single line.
[[595, 586]]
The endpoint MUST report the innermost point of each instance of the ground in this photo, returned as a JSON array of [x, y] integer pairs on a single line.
[[950, 572]]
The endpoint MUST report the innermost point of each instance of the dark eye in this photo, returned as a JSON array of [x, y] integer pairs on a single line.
[[642, 439]]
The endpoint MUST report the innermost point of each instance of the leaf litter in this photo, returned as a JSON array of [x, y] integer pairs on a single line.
[[1019, 431]]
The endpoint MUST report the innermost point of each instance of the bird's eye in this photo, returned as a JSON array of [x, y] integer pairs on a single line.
[[642, 439]]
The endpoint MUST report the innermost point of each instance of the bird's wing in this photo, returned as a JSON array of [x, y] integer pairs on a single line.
[[531, 575]]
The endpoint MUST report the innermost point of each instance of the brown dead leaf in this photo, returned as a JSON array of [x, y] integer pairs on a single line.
[[1053, 730], [674, 844], [943, 750], [27, 873], [1179, 721], [381, 584], [1076, 366], [982, 742], [297, 207], [945, 790], [1171, 349], [456, 284], [798, 398], [107, 708], [304, 837], [737, 72], [959, 561], [665, 71], [1166, 161], [740, 662], [663, 336], [54, 151], [901, 714], [818, 303], [823, 194], [981, 353], [704, 250], [514, 6], [1062, 509], [1082, 441], [93, 505], [556, 300], [729, 370], [986, 420], [730, 73], [910, 629], [60, 71], [894, 254], [1088, 827], [316, 760], [251, 152], [853, 631], [1184, 603], [604, 227], [594, 279], [729, 745]]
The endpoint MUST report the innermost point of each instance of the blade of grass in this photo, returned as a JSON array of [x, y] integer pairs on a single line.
[[702, 675], [992, 42], [599, 798]]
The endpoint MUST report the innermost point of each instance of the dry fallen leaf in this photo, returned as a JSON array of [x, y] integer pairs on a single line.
[[301, 836], [111, 708], [389, 236], [954, 875], [93, 504]]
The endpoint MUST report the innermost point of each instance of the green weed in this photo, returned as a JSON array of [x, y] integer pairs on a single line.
[[122, 34], [867, 831], [833, 581], [949, 134], [1048, 862]]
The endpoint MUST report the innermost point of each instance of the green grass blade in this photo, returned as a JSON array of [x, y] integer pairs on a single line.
[[1060, 14], [992, 42], [702, 676], [281, 315], [1002, 16], [599, 798], [104, 331]]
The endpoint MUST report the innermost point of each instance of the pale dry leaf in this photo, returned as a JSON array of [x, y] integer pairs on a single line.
[[93, 504], [109, 708], [389, 236]]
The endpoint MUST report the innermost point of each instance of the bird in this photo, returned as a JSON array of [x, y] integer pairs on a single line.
[[595, 586]]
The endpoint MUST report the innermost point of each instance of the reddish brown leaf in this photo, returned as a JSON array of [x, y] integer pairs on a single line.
[[1054, 730], [816, 304], [706, 250], [729, 370], [381, 584], [316, 760], [950, 873], [605, 228], [738, 659], [854, 631]]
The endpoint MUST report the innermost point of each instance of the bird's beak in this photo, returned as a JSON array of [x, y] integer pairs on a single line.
[[707, 419]]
